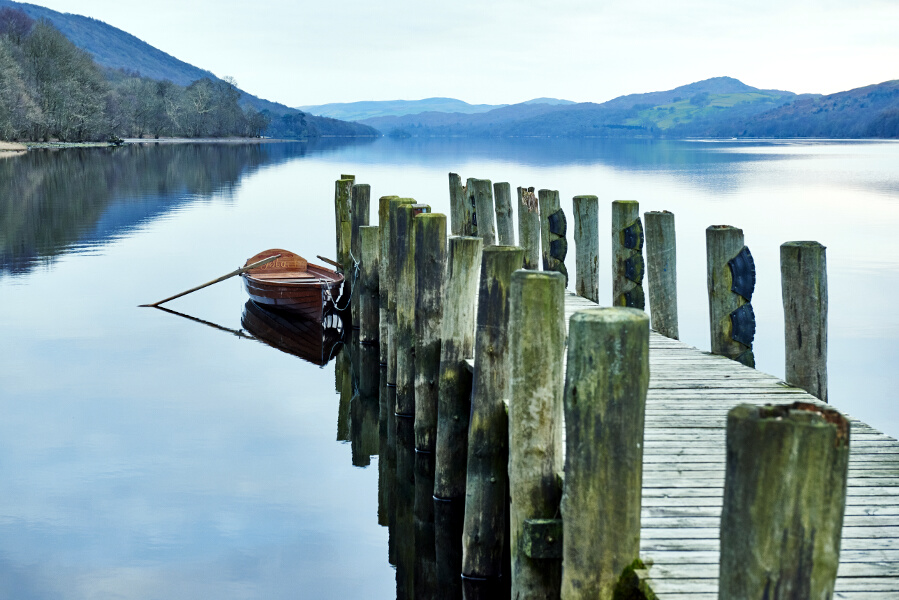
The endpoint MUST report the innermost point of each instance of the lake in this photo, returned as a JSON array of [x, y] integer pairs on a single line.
[[146, 455]]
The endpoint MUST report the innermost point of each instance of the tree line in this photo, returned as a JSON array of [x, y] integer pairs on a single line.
[[51, 89]]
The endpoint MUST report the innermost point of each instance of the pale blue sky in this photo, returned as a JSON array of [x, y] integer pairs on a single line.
[[503, 52]]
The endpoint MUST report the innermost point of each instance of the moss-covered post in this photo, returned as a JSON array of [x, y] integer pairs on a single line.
[[803, 271], [505, 228], [394, 241], [536, 343], [529, 227], [461, 209], [405, 310], [553, 232], [627, 255], [731, 281], [586, 242], [359, 218], [605, 401], [488, 436], [661, 270], [784, 498], [463, 268], [369, 299], [429, 230], [343, 217], [480, 194], [383, 262]]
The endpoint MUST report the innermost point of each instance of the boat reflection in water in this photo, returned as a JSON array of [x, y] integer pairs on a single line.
[[314, 341]]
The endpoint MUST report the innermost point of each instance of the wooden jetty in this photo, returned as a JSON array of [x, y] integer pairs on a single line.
[[687, 474]]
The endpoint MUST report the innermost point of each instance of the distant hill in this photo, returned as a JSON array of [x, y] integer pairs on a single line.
[[370, 109], [636, 114], [116, 49]]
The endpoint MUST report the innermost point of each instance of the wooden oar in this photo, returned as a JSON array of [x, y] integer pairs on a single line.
[[329, 261], [264, 261]]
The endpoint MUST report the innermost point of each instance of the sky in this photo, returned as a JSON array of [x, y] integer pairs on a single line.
[[502, 52]]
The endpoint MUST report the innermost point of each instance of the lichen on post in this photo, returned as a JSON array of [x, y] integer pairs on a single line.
[[405, 311], [429, 231], [586, 241], [368, 283], [803, 268], [605, 400], [383, 262], [480, 194], [505, 229], [627, 255], [529, 227], [661, 271], [343, 217], [536, 342], [784, 499], [463, 268], [553, 232], [360, 210], [723, 245], [394, 242], [488, 437]]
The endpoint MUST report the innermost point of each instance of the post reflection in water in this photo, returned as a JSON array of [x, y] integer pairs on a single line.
[[424, 541]]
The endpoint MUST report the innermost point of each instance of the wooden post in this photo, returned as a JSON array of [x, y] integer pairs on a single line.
[[731, 319], [360, 218], [536, 342], [661, 269], [463, 267], [429, 230], [383, 262], [553, 232], [369, 299], [481, 197], [803, 272], [627, 255], [586, 242], [461, 210], [405, 311], [488, 436], [529, 227], [605, 400], [504, 227], [343, 217], [393, 245], [784, 498]]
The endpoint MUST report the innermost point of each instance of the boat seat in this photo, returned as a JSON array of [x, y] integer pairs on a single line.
[[288, 276]]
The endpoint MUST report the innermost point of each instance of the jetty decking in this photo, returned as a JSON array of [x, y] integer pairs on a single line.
[[690, 392]]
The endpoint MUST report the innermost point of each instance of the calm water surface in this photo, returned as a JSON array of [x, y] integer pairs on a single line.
[[143, 455]]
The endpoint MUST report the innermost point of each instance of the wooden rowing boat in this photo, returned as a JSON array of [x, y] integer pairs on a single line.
[[314, 341], [291, 283]]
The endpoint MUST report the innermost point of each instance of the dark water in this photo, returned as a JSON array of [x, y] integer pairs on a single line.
[[145, 455]]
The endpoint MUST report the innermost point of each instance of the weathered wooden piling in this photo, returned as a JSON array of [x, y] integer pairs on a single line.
[[536, 343], [803, 271], [463, 268], [488, 436], [480, 194], [731, 281], [429, 231], [553, 232], [586, 242], [661, 270], [627, 255], [605, 400], [529, 227], [394, 242], [383, 262], [360, 210], [405, 311], [462, 220], [369, 294], [343, 217], [784, 499], [505, 228]]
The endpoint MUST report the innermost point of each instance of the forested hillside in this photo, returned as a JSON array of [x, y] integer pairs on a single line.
[[51, 89]]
